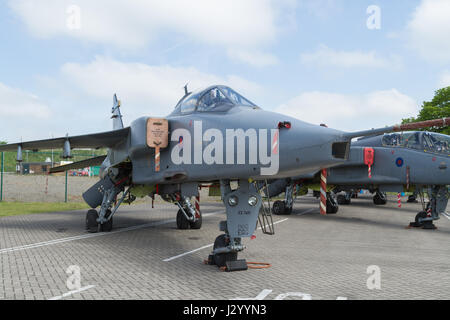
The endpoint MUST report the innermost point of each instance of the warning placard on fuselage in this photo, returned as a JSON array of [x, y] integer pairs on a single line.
[[157, 132]]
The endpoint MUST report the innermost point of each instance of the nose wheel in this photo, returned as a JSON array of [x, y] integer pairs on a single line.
[[220, 259]]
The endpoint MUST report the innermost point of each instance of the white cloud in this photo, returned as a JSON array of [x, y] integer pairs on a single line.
[[351, 112], [429, 30], [444, 80], [325, 56], [17, 103], [144, 89], [253, 58], [22, 114], [135, 23]]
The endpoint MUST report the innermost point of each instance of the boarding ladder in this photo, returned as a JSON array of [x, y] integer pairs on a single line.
[[265, 213]]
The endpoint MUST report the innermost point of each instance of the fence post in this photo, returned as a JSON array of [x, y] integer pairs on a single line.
[[65, 200], [1, 178]]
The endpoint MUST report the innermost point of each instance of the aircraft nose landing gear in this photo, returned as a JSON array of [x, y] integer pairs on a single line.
[[242, 209], [438, 203]]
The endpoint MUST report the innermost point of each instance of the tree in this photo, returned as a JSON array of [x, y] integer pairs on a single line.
[[438, 107], [3, 142]]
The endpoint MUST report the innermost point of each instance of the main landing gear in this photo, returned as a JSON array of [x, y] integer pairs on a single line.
[[379, 198], [438, 203], [102, 220], [189, 215], [344, 198], [242, 209], [332, 204], [285, 207]]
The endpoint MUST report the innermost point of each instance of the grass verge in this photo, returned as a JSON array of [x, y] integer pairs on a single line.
[[17, 208]]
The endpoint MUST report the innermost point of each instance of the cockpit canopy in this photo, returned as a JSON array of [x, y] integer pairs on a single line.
[[215, 98], [420, 140]]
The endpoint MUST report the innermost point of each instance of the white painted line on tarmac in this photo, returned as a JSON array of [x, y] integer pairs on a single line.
[[93, 235], [206, 246], [72, 292], [189, 252], [305, 212], [445, 214]]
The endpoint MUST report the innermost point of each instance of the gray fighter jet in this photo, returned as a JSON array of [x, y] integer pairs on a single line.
[[408, 161], [212, 135]]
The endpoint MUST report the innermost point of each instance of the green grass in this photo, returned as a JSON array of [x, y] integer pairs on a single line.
[[17, 208]]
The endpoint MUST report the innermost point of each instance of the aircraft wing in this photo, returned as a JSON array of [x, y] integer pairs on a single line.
[[79, 164], [94, 141]]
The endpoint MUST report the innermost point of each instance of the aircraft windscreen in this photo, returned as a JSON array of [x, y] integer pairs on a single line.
[[237, 98], [189, 103]]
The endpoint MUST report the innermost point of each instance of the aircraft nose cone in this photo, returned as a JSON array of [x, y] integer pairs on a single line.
[[306, 148]]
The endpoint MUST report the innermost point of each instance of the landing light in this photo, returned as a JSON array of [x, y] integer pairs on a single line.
[[252, 201], [232, 201]]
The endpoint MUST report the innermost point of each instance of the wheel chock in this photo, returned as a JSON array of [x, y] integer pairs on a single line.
[[236, 265]]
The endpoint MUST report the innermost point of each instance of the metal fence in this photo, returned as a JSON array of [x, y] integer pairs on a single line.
[[41, 187]]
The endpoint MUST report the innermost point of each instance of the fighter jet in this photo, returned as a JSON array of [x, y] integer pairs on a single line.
[[395, 162], [212, 135]]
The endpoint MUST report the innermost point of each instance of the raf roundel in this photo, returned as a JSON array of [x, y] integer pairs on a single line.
[[399, 162]]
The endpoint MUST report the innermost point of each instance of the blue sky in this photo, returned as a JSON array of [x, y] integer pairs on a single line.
[[61, 61]]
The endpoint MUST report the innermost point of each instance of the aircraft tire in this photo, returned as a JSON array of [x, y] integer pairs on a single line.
[[220, 259], [420, 215], [182, 222], [287, 211], [108, 225], [378, 200], [278, 207], [341, 199], [332, 207], [197, 224], [91, 221]]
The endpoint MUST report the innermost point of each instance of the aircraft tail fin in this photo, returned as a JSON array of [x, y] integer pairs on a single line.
[[116, 115]]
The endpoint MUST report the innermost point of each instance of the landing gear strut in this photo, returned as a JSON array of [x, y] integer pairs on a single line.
[[285, 207], [332, 205], [345, 198], [189, 215], [242, 208], [103, 219]]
